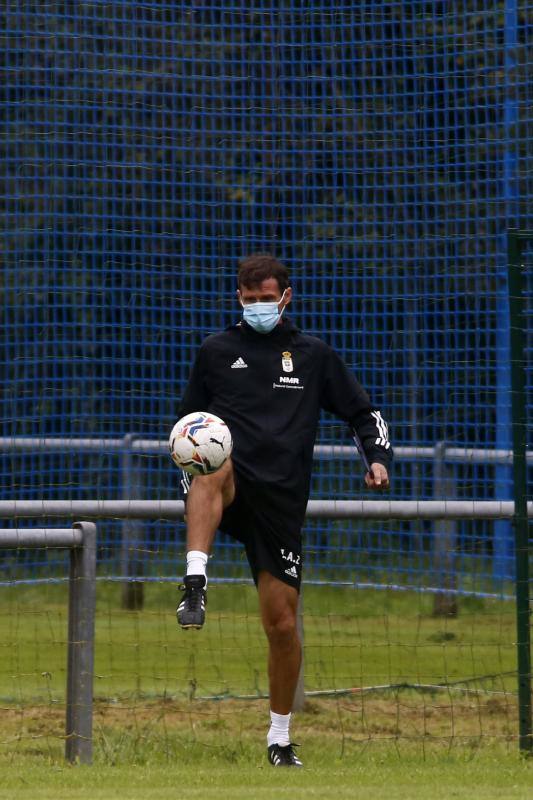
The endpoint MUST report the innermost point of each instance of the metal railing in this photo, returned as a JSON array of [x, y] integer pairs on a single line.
[[81, 541], [316, 509], [133, 443], [444, 512]]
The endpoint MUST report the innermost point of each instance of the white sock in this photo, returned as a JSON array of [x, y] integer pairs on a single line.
[[197, 563], [279, 729]]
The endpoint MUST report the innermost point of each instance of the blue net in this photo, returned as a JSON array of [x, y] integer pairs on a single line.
[[380, 149]]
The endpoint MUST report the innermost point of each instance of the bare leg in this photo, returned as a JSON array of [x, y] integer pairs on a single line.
[[208, 496], [278, 603]]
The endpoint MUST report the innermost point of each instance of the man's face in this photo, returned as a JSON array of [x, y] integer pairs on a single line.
[[266, 292]]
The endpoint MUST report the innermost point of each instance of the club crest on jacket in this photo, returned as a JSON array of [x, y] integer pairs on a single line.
[[286, 361]]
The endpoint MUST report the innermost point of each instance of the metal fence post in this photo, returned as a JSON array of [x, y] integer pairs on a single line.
[[131, 565], [521, 524], [80, 657], [444, 538]]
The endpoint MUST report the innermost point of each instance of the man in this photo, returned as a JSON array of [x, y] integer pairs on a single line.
[[268, 382]]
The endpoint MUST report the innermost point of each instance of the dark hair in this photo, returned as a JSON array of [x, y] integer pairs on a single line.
[[256, 268]]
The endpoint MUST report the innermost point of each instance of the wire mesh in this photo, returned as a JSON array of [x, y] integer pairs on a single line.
[[380, 149]]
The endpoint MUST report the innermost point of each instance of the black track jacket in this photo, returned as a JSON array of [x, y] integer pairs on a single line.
[[269, 389]]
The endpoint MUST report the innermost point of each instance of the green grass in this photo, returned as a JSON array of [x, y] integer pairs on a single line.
[[352, 639], [155, 737], [382, 774]]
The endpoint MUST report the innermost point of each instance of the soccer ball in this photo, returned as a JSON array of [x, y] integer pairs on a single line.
[[200, 443]]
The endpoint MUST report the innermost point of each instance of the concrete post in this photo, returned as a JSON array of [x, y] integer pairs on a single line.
[[444, 538], [131, 566], [299, 696]]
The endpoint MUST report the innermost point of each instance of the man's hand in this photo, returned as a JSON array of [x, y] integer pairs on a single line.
[[377, 478]]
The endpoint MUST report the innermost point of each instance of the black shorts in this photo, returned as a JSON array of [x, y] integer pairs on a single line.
[[268, 521]]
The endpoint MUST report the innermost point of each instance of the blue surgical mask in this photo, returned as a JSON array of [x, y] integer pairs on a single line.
[[263, 317]]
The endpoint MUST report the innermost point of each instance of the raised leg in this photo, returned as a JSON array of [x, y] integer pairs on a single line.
[[208, 496]]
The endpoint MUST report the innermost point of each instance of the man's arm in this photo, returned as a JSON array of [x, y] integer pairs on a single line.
[[197, 395], [345, 397], [195, 398], [373, 430]]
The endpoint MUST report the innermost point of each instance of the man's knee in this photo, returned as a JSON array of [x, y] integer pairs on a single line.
[[219, 482], [281, 628], [279, 608]]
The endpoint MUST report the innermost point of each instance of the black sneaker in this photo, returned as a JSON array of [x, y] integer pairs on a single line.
[[283, 756], [191, 610]]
